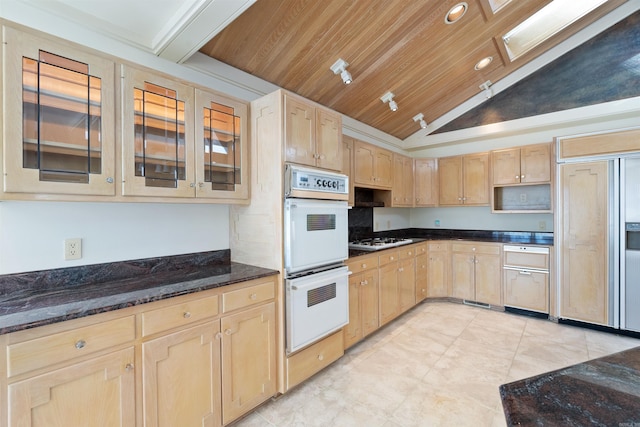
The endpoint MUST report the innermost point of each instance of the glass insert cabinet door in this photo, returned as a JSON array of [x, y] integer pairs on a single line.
[[59, 134], [221, 147], [157, 149]]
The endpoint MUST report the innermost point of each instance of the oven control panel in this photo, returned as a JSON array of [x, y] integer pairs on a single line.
[[307, 179]]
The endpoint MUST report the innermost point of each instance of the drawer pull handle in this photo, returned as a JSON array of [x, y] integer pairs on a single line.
[[128, 367], [228, 332], [253, 297], [321, 357], [80, 344], [391, 258], [364, 265], [525, 273], [186, 314]]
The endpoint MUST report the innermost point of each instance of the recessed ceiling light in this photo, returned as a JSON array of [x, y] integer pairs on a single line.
[[455, 13], [483, 63]]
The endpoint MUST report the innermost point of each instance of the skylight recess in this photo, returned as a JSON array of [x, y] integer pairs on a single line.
[[545, 23]]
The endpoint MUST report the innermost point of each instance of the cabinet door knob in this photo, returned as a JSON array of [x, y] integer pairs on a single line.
[[321, 357], [110, 180], [364, 265], [517, 176], [218, 335], [80, 344], [186, 314], [391, 258], [227, 332], [253, 297], [129, 367], [521, 176]]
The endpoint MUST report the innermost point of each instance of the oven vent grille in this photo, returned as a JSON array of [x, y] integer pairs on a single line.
[[321, 294], [320, 222]]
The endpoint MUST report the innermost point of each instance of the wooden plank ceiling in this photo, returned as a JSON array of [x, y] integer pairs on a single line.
[[402, 46]]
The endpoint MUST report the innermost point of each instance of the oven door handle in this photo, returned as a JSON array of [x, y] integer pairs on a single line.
[[315, 282], [318, 206]]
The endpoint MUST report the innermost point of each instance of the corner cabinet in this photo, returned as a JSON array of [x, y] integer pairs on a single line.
[[312, 135], [426, 182], [464, 180], [180, 141], [58, 135]]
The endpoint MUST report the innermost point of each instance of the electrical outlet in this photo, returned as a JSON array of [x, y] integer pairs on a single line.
[[72, 249], [542, 225], [437, 223], [523, 197]]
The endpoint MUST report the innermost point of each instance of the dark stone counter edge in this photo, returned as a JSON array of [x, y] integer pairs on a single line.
[[154, 286]]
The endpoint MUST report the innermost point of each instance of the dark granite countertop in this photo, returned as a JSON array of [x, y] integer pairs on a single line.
[[600, 392], [39, 298], [425, 234]]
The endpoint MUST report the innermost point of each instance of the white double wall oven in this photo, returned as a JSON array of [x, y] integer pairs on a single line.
[[315, 248]]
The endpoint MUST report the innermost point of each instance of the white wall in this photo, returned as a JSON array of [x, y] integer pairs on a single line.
[[32, 233], [479, 218]]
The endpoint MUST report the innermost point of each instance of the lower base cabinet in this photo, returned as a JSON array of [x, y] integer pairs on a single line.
[[96, 392], [205, 359], [184, 360], [528, 290], [248, 360], [363, 299]]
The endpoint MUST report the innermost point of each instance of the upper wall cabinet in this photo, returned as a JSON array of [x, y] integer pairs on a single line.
[[525, 165], [221, 147], [157, 136], [312, 135], [58, 135], [181, 142], [372, 166], [464, 180], [426, 182]]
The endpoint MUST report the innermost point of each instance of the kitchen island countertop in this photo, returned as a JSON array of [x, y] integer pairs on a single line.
[[599, 392]]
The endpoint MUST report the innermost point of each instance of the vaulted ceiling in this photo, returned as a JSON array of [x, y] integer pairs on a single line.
[[402, 46]]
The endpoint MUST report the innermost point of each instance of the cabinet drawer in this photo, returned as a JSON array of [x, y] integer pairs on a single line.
[[437, 247], [312, 359], [55, 348], [388, 256], [362, 263], [407, 252], [527, 260], [478, 249], [246, 297], [420, 249], [179, 315]]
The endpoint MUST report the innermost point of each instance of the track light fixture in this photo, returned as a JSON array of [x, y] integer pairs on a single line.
[[388, 98], [486, 87], [340, 67], [420, 118]]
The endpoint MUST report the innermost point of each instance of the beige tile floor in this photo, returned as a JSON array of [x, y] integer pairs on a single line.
[[438, 365]]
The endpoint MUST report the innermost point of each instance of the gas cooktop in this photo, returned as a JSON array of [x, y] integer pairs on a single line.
[[378, 243]]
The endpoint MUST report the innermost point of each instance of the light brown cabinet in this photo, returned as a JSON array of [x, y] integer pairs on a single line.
[[438, 266], [363, 299], [584, 227], [476, 272], [464, 180], [248, 360], [347, 164], [59, 118], [406, 279], [421, 271], [425, 182], [312, 134], [388, 286], [530, 164], [402, 190], [188, 359], [372, 167]]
